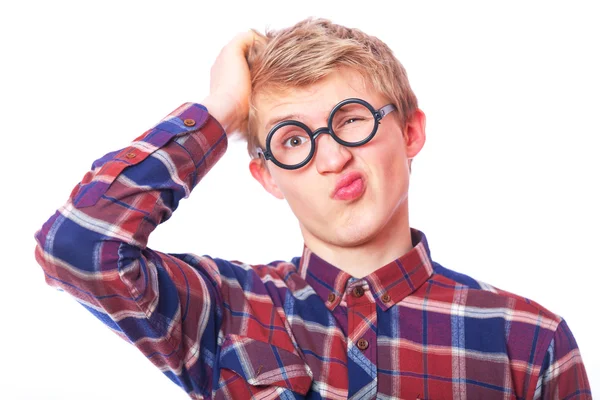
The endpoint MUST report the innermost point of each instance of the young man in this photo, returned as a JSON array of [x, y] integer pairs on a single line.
[[332, 126]]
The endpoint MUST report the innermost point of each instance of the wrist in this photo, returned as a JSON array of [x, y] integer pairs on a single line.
[[221, 111]]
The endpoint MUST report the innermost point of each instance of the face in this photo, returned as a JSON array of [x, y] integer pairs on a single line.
[[345, 196]]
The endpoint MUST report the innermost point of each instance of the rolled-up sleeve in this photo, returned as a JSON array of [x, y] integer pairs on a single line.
[[94, 247]]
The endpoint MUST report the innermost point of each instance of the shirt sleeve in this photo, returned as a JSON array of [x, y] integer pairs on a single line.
[[94, 247], [563, 375]]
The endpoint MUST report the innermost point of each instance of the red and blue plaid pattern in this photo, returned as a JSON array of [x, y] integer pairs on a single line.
[[300, 329]]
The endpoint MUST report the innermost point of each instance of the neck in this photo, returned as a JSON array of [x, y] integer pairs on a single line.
[[392, 242]]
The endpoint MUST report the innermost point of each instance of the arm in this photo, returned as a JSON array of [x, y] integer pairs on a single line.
[[94, 247], [562, 374]]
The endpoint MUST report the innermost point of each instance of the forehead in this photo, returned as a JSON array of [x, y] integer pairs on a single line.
[[313, 103]]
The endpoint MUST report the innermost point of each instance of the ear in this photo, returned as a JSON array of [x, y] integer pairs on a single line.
[[260, 172], [414, 134]]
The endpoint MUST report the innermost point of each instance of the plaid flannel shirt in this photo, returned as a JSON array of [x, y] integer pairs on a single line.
[[300, 329]]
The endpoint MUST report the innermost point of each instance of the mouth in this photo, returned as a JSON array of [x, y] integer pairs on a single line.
[[349, 187]]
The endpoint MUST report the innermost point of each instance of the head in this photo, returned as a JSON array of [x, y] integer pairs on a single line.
[[305, 71]]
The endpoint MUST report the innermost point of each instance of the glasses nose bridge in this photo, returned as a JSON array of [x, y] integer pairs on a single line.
[[320, 131], [326, 131]]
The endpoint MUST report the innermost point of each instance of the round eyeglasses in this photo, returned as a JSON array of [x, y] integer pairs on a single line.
[[352, 123]]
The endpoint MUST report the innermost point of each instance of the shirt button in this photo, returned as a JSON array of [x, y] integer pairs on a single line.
[[363, 344], [358, 291], [189, 122], [331, 297], [386, 298], [130, 155]]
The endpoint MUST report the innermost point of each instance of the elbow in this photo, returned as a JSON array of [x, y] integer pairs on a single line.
[[70, 253]]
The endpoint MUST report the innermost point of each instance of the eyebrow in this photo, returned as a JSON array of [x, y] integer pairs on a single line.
[[278, 119], [273, 121]]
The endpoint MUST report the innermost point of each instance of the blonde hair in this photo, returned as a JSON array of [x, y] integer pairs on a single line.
[[307, 52]]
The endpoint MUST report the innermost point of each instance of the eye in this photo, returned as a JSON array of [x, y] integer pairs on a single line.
[[295, 141], [351, 120]]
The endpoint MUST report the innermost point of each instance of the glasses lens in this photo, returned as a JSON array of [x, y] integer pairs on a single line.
[[353, 122], [290, 144]]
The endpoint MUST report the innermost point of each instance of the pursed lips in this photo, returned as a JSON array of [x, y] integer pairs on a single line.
[[349, 186]]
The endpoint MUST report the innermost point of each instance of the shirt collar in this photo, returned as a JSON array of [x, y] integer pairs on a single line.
[[389, 284]]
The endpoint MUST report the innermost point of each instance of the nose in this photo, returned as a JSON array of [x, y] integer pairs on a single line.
[[330, 155]]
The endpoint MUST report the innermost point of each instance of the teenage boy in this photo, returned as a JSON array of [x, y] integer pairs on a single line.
[[332, 126]]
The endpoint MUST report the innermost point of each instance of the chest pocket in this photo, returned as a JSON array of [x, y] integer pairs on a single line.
[[250, 366]]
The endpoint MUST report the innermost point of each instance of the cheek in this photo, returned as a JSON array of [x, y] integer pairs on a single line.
[[388, 165], [388, 156], [298, 190]]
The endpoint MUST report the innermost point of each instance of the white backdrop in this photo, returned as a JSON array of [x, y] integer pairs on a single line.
[[506, 188]]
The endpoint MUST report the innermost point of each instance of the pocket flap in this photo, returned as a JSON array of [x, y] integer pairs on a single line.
[[261, 363]]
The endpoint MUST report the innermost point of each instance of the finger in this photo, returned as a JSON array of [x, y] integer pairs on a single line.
[[244, 40]]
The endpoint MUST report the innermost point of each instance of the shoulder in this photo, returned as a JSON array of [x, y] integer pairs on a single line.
[[520, 326], [483, 295]]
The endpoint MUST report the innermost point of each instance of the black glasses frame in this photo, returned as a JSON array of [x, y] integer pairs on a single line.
[[377, 115]]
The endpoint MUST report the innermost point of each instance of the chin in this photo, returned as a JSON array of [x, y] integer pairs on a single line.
[[357, 233]]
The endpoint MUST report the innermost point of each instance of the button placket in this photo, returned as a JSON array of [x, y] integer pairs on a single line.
[[362, 330]]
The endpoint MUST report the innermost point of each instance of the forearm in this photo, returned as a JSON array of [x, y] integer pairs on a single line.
[[129, 192]]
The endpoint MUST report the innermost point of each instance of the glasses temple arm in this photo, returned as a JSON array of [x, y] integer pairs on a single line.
[[383, 111]]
